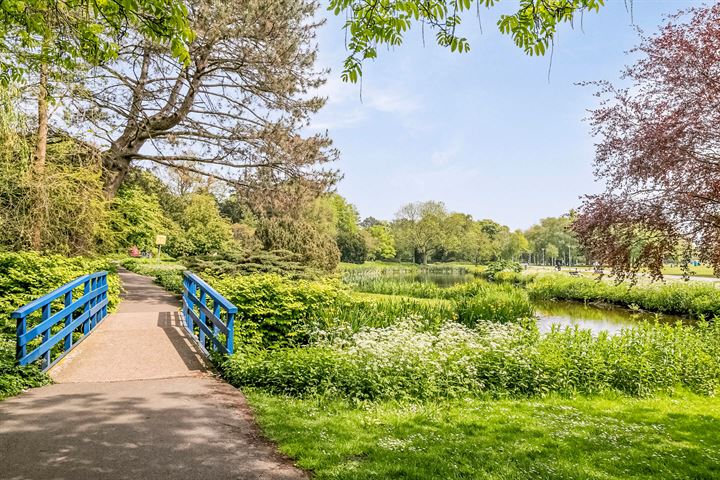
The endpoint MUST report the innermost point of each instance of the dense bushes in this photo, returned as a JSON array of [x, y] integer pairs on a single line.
[[409, 361], [274, 310], [246, 262], [23, 278], [692, 299]]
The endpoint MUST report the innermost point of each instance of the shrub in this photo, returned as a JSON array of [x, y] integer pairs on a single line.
[[274, 310], [408, 361], [493, 268], [246, 262]]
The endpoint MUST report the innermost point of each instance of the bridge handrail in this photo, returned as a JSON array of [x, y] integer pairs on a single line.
[[93, 302], [38, 303], [209, 322]]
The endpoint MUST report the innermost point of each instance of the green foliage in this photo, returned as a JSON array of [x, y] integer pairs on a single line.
[[247, 262], [134, 219], [533, 26], [204, 230], [469, 302], [502, 303], [316, 248], [382, 243], [70, 32], [406, 361], [72, 206], [691, 299], [552, 238], [23, 278], [493, 268], [274, 310], [352, 246], [371, 310]]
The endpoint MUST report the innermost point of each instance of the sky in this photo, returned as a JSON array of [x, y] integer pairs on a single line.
[[486, 132]]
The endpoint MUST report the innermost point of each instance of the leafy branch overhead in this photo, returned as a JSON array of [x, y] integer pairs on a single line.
[[68, 31], [371, 23]]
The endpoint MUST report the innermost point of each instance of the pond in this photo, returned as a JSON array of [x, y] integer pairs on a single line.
[[593, 317]]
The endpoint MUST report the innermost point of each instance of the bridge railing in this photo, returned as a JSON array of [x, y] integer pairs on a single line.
[[209, 317], [80, 306]]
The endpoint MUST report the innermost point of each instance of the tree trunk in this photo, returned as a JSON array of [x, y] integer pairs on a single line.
[[38, 168], [115, 169]]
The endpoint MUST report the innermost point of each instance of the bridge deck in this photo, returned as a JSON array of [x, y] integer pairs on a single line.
[[135, 400]]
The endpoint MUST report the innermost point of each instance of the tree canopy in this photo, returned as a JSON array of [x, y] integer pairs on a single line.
[[658, 152], [64, 32], [373, 23]]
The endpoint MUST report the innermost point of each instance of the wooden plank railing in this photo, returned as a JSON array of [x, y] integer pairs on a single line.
[[78, 312], [209, 317]]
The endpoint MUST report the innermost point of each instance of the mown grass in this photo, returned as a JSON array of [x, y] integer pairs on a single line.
[[699, 271], [551, 438]]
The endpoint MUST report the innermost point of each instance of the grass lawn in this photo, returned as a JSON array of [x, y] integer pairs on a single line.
[[700, 271], [554, 438]]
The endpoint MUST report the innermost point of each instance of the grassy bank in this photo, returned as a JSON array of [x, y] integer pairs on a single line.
[[692, 299], [550, 438]]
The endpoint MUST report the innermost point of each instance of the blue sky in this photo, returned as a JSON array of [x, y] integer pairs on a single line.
[[484, 132]]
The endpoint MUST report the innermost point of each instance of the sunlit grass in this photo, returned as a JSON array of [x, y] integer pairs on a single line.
[[552, 438]]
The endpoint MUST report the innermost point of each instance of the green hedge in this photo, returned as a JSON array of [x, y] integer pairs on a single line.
[[24, 277], [275, 310]]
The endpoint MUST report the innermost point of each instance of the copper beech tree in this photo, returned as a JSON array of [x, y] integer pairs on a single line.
[[234, 113], [659, 153]]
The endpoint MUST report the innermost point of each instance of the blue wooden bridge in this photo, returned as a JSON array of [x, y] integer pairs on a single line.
[[134, 395]]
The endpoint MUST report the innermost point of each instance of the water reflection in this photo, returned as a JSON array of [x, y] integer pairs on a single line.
[[594, 317]]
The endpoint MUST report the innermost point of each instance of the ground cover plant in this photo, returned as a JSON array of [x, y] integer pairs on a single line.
[[420, 360], [23, 278]]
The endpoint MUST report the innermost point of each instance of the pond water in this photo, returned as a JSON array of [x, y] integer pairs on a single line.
[[594, 317]]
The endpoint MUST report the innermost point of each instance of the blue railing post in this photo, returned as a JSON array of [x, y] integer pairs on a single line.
[[68, 318], [86, 290], [20, 348], [203, 318], [46, 334], [231, 332], [103, 296], [216, 312]]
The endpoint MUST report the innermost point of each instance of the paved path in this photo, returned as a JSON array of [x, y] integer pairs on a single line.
[[135, 400]]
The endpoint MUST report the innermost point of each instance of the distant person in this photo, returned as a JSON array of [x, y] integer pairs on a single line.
[[558, 264]]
